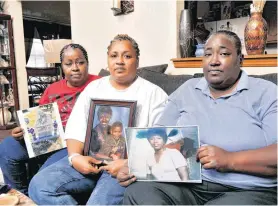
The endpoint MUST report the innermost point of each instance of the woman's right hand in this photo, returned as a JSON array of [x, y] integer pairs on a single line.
[[86, 164], [124, 177], [17, 133]]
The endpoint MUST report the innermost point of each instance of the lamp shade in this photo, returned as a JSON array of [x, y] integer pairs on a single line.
[[52, 49]]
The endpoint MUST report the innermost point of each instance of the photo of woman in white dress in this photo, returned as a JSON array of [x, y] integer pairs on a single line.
[[164, 163], [163, 154]]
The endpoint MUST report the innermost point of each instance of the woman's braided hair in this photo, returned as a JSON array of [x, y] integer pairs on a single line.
[[125, 37], [74, 46]]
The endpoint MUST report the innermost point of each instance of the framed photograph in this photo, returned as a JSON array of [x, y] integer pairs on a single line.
[[164, 154], [105, 131], [43, 129]]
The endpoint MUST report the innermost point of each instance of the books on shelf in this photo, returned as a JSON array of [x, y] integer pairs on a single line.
[[43, 130], [164, 154]]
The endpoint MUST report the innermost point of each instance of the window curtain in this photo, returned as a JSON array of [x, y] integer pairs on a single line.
[[43, 31], [29, 31]]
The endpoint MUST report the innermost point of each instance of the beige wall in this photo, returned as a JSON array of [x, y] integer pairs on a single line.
[[153, 24], [14, 8]]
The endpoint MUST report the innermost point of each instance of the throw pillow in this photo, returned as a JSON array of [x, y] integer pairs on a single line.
[[103, 73], [156, 68], [270, 77], [169, 83], [198, 75]]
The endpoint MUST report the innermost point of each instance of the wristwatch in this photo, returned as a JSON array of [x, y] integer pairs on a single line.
[[72, 156]]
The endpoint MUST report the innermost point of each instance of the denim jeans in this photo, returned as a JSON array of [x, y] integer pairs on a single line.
[[13, 159], [60, 183], [107, 191]]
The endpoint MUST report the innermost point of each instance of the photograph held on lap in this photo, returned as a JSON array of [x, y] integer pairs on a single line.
[[106, 122], [43, 130], [164, 154]]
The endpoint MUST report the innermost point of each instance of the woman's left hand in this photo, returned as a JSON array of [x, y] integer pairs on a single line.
[[113, 167], [212, 157]]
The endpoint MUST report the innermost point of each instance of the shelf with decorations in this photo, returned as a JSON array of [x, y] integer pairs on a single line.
[[207, 17], [9, 103]]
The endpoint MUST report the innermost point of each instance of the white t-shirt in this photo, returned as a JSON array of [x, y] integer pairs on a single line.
[[166, 168], [150, 99]]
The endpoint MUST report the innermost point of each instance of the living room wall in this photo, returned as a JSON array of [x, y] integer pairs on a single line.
[[153, 24]]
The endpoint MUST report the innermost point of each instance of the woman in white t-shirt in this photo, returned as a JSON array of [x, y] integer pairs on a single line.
[[164, 163], [77, 175]]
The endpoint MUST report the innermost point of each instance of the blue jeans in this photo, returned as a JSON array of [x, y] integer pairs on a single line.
[[60, 184], [13, 159]]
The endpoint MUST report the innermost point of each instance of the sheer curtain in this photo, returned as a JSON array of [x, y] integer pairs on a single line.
[[36, 57]]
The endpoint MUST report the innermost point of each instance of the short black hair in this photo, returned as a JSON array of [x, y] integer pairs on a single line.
[[233, 36], [125, 37], [74, 46], [104, 110], [117, 124], [161, 132]]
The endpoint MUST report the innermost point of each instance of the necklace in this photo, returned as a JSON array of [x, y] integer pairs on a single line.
[[116, 142]]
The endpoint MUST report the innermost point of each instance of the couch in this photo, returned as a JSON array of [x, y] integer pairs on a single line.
[[169, 83]]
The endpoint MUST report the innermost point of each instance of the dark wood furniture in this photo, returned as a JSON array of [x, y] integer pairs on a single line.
[[38, 80], [9, 103]]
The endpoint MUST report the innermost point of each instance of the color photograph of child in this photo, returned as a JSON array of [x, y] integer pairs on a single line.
[[114, 143], [107, 141]]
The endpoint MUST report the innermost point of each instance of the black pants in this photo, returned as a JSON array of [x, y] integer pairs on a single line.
[[207, 193]]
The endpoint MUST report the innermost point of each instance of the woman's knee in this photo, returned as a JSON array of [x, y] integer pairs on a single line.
[[58, 177], [12, 149], [134, 193]]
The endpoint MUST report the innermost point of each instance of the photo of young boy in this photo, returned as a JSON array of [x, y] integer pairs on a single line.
[[113, 146], [105, 132]]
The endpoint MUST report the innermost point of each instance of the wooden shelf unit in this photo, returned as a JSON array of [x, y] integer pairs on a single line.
[[265, 60]]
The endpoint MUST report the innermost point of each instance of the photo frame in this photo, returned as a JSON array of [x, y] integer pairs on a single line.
[[164, 154], [105, 131]]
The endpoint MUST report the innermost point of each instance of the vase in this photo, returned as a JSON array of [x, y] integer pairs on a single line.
[[4, 112], [255, 34], [199, 50], [185, 34], [10, 97]]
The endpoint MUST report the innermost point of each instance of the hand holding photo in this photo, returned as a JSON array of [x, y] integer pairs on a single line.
[[164, 154], [43, 130]]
